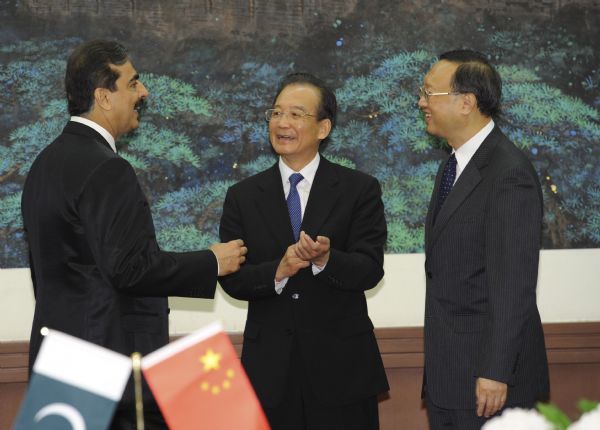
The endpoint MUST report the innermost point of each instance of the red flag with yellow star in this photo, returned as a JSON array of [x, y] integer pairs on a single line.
[[198, 382]]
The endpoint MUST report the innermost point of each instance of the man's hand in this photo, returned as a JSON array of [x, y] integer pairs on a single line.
[[317, 252], [491, 396], [290, 264], [229, 255]]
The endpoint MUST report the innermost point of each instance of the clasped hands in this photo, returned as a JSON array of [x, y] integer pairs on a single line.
[[302, 254]]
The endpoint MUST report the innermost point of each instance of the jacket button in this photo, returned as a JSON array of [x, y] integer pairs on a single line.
[[295, 296], [429, 275]]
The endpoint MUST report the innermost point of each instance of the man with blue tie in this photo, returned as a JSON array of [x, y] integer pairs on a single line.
[[484, 344], [315, 233]]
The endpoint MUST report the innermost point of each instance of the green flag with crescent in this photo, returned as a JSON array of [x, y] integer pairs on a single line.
[[74, 385]]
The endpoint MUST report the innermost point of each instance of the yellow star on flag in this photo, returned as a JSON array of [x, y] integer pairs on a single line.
[[210, 360]]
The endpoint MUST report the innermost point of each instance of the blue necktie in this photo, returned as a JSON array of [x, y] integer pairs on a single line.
[[447, 182], [293, 203]]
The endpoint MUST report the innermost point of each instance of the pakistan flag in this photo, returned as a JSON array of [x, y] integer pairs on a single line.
[[75, 385]]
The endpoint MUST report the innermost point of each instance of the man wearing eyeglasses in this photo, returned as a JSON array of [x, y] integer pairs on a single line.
[[315, 233], [484, 344]]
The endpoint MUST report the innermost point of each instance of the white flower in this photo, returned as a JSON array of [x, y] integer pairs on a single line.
[[518, 419], [588, 421]]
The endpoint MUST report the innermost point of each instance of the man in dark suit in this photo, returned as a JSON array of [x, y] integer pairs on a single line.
[[97, 270], [315, 233], [484, 345]]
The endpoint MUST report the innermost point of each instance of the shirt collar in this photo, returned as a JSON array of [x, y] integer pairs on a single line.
[[468, 149], [308, 172], [104, 132]]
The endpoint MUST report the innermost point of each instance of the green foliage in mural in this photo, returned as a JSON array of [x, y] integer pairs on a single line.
[[27, 141], [204, 127], [381, 86], [10, 211], [182, 238], [35, 73], [262, 162], [150, 142], [187, 219], [406, 198], [342, 161], [170, 96]]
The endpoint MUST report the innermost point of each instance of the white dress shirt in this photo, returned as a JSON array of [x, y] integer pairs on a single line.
[[104, 132], [308, 173], [469, 148]]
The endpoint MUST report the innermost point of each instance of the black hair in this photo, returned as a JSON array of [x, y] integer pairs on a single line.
[[476, 75], [88, 68]]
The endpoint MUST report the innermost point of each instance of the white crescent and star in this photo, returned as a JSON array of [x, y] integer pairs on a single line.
[[68, 412]]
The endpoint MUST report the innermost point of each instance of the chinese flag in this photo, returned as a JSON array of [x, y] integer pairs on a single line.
[[199, 382]]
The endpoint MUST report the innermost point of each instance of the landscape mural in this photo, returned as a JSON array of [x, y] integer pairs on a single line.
[[212, 69]]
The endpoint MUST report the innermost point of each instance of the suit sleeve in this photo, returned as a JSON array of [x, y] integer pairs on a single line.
[[252, 281], [513, 235], [120, 232], [359, 266]]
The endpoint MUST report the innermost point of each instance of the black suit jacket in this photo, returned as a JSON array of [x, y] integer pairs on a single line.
[[97, 271], [481, 316], [328, 312]]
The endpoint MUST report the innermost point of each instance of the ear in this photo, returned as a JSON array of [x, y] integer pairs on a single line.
[[324, 128], [469, 103], [102, 98]]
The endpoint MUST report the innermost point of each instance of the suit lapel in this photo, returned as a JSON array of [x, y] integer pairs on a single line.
[[464, 186], [324, 194], [272, 207]]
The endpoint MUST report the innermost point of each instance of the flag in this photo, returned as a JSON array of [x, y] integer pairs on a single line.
[[199, 382], [75, 384]]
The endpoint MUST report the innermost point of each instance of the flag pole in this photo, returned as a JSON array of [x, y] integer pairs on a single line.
[[136, 359]]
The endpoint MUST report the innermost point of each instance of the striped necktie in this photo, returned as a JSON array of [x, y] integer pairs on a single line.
[[447, 183], [293, 203]]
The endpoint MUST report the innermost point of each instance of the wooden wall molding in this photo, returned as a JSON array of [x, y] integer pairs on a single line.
[[573, 355]]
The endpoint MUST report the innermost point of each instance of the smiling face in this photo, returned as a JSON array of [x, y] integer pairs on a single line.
[[297, 140], [122, 114], [442, 112]]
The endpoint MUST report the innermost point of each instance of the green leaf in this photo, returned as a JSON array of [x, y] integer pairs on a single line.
[[554, 415], [585, 405]]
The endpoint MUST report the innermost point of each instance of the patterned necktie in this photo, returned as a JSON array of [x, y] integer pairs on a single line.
[[293, 203], [447, 182]]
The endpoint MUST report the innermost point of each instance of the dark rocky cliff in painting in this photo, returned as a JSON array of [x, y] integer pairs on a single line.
[[182, 19]]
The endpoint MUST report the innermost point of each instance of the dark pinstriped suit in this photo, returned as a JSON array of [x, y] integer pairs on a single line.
[[481, 317]]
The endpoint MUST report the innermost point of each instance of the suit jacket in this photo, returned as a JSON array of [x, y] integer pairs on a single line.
[[97, 271], [481, 316], [326, 313]]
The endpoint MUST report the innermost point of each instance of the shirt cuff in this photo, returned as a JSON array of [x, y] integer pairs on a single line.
[[218, 268], [317, 269], [279, 285]]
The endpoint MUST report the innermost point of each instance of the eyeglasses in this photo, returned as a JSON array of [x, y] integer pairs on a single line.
[[293, 114], [426, 94]]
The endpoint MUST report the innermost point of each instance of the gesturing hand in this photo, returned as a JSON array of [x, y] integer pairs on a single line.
[[230, 255]]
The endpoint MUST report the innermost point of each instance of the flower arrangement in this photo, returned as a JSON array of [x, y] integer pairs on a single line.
[[546, 417]]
